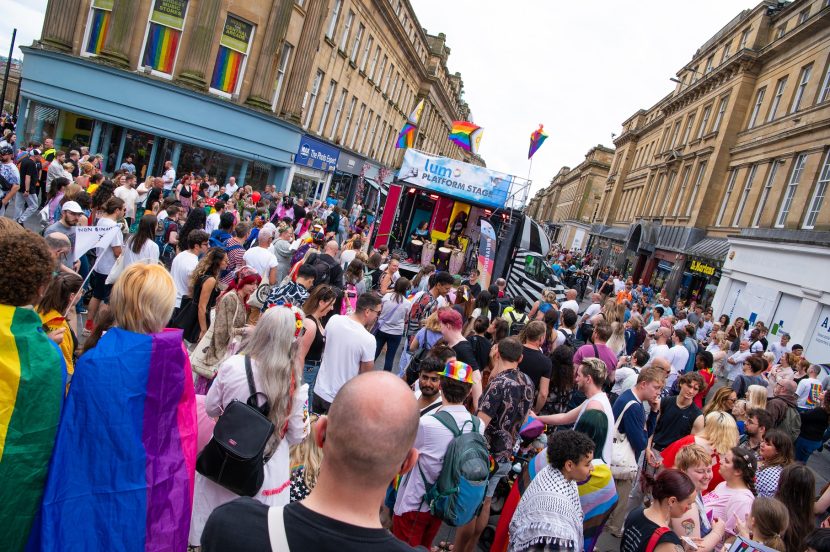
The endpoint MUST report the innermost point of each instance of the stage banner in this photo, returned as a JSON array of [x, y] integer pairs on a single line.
[[449, 177], [486, 253]]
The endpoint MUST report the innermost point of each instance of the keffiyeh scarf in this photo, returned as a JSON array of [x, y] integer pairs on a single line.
[[549, 513]]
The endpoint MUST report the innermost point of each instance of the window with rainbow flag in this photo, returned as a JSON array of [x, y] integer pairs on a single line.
[[163, 34], [99, 24], [234, 46]]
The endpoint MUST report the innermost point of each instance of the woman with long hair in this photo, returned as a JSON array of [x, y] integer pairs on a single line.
[[102, 194], [735, 333], [269, 350], [561, 381], [57, 190], [551, 320], [184, 191], [132, 412], [481, 306], [719, 435], [768, 520], [695, 461], [421, 280], [141, 246], [731, 499], [797, 491], [228, 324], [673, 493], [385, 283], [719, 348], [776, 451], [204, 289], [312, 343], [392, 319], [498, 329], [722, 401], [756, 397], [542, 305], [196, 220], [56, 300], [306, 459]]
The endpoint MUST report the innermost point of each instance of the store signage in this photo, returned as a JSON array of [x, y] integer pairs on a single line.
[[237, 34], [348, 163], [169, 13], [316, 154], [456, 179], [697, 266], [818, 347]]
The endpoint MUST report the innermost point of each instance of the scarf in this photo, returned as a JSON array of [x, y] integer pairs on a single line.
[[548, 513]]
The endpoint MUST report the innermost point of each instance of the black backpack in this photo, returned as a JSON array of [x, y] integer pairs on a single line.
[[572, 341], [322, 268], [235, 456], [517, 325]]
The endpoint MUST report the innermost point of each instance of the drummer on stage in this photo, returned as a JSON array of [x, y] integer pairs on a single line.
[[419, 236]]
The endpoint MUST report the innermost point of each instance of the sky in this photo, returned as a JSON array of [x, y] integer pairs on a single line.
[[580, 68]]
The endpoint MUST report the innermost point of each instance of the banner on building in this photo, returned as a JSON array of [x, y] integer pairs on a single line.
[[316, 154], [89, 237], [456, 179], [169, 13], [486, 254], [236, 34], [818, 348]]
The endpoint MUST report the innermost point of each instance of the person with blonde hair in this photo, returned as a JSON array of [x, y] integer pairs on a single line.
[[268, 352], [696, 462], [722, 401], [767, 521], [131, 412], [719, 435], [306, 459], [756, 397]]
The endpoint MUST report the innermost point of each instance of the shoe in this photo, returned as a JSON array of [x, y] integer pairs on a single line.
[[82, 310]]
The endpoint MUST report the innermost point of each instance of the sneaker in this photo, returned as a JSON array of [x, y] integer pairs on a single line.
[[82, 310]]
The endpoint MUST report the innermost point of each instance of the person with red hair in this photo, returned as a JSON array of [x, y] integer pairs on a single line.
[[451, 324]]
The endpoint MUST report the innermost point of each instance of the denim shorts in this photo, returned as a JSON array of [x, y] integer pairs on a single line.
[[502, 469]]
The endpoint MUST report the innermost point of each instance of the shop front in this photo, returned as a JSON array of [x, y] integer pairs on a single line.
[[664, 270], [314, 164], [343, 179], [702, 272]]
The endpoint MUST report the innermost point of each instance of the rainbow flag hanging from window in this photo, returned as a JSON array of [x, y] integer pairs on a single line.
[[123, 468], [227, 69], [32, 379], [160, 52], [98, 31], [466, 135]]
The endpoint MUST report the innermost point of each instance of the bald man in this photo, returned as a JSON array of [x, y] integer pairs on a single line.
[[328, 268], [782, 407], [366, 440], [61, 249], [570, 301]]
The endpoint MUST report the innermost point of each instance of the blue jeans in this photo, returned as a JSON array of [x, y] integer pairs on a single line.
[[804, 448], [392, 342], [310, 369]]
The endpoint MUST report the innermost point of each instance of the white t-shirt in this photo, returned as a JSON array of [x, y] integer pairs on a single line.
[[809, 392], [658, 351], [169, 178], [162, 215], [212, 223], [619, 285], [130, 196], [183, 266], [348, 344], [346, 257], [261, 260], [432, 441], [678, 356], [393, 315], [652, 326], [777, 349], [106, 258], [230, 189], [735, 364], [592, 310], [149, 253], [571, 304]]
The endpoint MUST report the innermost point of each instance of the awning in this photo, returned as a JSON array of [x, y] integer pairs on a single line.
[[612, 232], [710, 248]]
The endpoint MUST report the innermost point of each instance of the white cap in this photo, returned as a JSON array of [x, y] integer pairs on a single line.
[[72, 207]]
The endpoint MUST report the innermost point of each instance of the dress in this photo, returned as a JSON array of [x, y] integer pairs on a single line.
[[231, 383]]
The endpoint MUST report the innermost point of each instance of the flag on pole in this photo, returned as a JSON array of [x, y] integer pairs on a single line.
[[415, 116], [88, 237], [537, 138], [466, 135], [406, 137]]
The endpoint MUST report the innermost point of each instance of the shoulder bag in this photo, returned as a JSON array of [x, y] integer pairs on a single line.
[[198, 357], [623, 462]]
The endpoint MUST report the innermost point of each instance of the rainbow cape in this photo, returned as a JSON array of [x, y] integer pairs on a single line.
[[32, 379], [537, 138], [123, 468], [466, 135]]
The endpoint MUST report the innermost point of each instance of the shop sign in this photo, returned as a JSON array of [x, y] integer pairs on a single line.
[[456, 179], [237, 34], [819, 345], [348, 163], [703, 268], [169, 13], [316, 154]]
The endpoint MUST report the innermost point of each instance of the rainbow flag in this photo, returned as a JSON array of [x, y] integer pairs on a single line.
[[226, 71], [466, 135], [32, 379], [537, 138], [160, 52], [406, 138], [123, 468], [98, 31]]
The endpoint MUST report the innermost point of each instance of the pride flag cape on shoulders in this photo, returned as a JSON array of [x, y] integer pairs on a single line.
[[32, 379], [123, 468]]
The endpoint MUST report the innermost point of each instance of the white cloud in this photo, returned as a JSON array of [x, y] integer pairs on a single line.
[[27, 17], [580, 68]]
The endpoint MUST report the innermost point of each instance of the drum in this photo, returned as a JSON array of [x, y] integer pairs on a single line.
[[427, 252], [456, 261], [415, 248], [443, 258]]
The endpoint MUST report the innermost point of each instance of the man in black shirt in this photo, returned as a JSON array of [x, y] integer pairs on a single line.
[[679, 416], [472, 282], [534, 363], [366, 440]]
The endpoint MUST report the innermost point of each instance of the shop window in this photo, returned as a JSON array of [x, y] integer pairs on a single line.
[[234, 46], [161, 45], [69, 130], [97, 26]]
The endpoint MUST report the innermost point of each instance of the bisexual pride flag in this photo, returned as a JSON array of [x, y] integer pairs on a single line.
[[32, 378], [123, 467]]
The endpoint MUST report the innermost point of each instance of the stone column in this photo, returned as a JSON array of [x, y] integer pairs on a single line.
[[264, 76], [292, 107], [59, 24], [116, 48], [196, 62]]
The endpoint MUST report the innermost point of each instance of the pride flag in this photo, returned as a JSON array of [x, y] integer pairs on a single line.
[[537, 138], [406, 138], [98, 31], [466, 135], [32, 380], [226, 71], [122, 472], [160, 51]]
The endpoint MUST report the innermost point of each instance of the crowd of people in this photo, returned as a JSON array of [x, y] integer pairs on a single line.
[[216, 311]]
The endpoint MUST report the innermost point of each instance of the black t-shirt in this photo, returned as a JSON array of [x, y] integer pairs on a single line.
[[475, 289], [536, 365], [152, 196], [481, 347], [638, 532], [464, 352], [813, 424], [674, 422], [29, 166], [242, 526]]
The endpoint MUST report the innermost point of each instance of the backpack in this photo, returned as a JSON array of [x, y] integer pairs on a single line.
[[349, 304], [791, 424], [330, 221], [517, 325], [572, 341], [166, 250], [457, 495], [418, 312], [369, 279], [321, 267]]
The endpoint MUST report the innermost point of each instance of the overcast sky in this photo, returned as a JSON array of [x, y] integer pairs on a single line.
[[580, 68]]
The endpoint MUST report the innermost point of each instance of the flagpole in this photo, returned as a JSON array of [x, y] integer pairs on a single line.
[[80, 292], [529, 167]]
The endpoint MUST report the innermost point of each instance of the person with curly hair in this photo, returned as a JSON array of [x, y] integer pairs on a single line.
[[204, 290]]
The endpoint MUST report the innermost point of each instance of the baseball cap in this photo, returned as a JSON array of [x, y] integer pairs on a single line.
[[457, 370], [35, 152], [6, 150], [72, 207]]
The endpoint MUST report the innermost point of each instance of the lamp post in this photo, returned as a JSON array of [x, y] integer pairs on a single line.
[[6, 74]]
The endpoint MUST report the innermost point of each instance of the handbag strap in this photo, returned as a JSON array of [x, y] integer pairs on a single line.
[[393, 311], [252, 399], [622, 415], [276, 529]]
